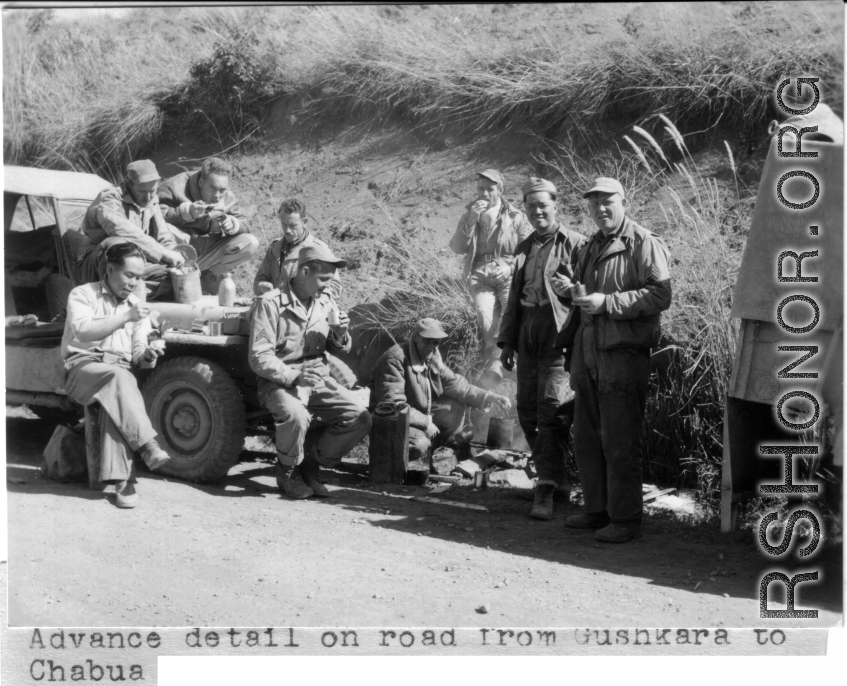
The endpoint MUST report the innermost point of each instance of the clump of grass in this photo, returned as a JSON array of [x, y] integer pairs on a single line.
[[443, 296]]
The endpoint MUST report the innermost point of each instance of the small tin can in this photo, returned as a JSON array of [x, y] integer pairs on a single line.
[[480, 480], [215, 329]]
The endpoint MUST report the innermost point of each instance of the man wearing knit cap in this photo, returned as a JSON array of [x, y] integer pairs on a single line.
[[291, 330], [487, 235], [412, 373], [539, 306], [129, 212], [624, 269]]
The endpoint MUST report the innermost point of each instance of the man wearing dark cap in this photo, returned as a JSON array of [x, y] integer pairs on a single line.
[[291, 330], [487, 236], [201, 204], [414, 374], [129, 212], [624, 269], [539, 306]]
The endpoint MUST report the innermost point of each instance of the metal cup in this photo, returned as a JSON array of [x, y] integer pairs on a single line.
[[334, 318], [480, 480], [579, 290]]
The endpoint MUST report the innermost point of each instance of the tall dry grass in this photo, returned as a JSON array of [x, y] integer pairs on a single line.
[[91, 95]]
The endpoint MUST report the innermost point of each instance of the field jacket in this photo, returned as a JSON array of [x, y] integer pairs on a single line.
[[114, 213], [560, 260], [276, 269], [632, 270], [284, 334], [396, 381], [178, 192], [511, 227]]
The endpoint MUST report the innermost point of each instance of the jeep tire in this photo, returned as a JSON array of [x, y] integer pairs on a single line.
[[198, 412]]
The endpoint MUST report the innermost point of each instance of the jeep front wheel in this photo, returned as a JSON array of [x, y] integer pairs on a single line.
[[198, 412]]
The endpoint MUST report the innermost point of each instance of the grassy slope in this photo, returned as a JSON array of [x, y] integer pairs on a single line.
[[388, 196]]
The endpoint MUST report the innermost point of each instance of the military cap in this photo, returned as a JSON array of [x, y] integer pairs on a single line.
[[322, 253], [142, 171], [604, 184], [493, 175], [430, 328], [536, 185]]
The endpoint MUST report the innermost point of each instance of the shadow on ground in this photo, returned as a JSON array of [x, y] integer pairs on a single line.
[[671, 553]]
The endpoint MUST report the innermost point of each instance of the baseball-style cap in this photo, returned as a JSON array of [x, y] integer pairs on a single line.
[[493, 175], [604, 184], [321, 253], [142, 171], [536, 185], [430, 328]]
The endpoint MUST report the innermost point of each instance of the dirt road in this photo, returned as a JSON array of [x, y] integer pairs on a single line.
[[239, 554]]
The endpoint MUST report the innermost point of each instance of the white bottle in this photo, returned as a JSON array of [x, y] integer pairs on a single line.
[[226, 291]]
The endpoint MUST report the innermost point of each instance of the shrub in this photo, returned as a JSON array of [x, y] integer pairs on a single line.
[[227, 92]]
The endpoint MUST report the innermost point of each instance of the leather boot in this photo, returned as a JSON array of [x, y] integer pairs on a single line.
[[618, 532], [310, 471], [153, 455], [290, 481], [542, 506], [587, 520]]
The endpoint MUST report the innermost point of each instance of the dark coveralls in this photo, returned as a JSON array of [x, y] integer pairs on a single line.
[[611, 364], [429, 389], [532, 323]]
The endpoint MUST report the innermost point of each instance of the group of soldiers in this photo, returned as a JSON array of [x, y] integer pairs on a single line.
[[576, 317]]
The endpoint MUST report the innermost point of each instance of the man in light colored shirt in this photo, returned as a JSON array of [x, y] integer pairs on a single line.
[[106, 335], [487, 235], [291, 330]]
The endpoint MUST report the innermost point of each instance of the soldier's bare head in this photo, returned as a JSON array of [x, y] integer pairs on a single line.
[[292, 220], [214, 179], [124, 267]]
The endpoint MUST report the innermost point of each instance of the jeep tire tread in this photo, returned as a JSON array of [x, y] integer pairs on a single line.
[[198, 412]]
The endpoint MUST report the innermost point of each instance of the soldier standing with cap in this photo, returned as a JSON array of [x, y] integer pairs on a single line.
[[291, 330], [130, 212], [539, 306], [201, 204], [624, 269], [487, 235], [414, 374]]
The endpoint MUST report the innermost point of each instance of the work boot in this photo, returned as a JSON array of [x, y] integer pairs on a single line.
[[542, 505], [125, 495], [310, 471], [290, 481], [618, 532], [587, 520], [153, 455]]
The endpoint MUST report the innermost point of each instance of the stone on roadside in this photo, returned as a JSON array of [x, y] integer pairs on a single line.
[[512, 477], [467, 468]]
